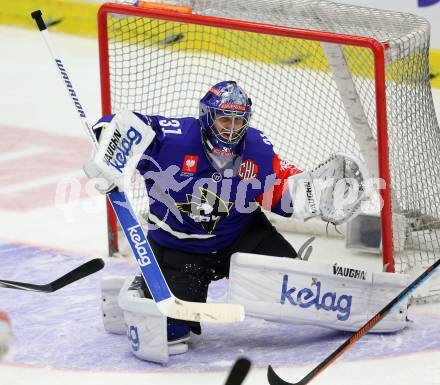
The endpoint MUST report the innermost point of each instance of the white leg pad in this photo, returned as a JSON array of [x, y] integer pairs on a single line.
[[334, 296], [112, 314], [147, 327]]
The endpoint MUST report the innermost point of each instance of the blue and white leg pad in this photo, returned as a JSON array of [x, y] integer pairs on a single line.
[[112, 314], [151, 336], [147, 327], [336, 296]]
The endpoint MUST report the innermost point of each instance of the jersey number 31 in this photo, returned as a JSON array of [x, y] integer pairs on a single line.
[[170, 126]]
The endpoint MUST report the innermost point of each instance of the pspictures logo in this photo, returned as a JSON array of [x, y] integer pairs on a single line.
[[190, 164]]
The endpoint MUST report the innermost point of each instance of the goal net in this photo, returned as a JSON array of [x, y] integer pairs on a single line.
[[324, 78]]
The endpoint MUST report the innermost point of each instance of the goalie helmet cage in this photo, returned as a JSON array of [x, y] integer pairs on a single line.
[[324, 78]]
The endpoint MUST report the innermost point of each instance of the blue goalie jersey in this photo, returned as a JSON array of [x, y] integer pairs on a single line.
[[194, 207]]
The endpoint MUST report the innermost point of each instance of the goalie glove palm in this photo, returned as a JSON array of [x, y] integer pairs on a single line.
[[333, 190]]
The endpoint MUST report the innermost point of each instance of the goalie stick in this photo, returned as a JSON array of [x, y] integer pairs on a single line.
[[274, 379], [82, 271], [167, 303], [238, 372]]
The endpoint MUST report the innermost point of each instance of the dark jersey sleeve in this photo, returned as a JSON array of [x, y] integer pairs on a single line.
[[276, 198]]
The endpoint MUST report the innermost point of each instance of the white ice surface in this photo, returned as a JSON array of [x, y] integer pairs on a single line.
[[420, 369], [33, 98]]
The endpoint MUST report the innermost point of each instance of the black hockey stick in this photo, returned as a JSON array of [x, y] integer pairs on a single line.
[[274, 379], [238, 372], [82, 271]]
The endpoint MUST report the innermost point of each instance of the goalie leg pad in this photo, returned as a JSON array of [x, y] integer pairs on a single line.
[[112, 314], [147, 327], [292, 290]]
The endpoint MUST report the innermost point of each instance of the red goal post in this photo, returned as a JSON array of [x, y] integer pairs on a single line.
[[143, 49]]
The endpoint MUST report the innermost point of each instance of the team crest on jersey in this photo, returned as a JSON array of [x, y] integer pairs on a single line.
[[189, 167], [206, 209], [248, 170]]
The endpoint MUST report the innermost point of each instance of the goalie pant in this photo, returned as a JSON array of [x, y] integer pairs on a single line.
[[334, 296]]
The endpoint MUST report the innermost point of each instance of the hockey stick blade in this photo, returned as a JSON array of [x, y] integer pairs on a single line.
[[274, 379], [82, 271], [238, 372], [200, 311]]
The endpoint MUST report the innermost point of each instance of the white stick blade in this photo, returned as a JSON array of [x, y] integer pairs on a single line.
[[201, 312]]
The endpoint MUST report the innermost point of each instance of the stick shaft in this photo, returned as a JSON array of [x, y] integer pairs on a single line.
[[151, 272], [37, 16]]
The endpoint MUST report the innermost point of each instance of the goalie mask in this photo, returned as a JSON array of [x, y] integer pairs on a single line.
[[224, 115]]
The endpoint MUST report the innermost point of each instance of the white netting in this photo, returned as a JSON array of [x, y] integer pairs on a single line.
[[300, 101]]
